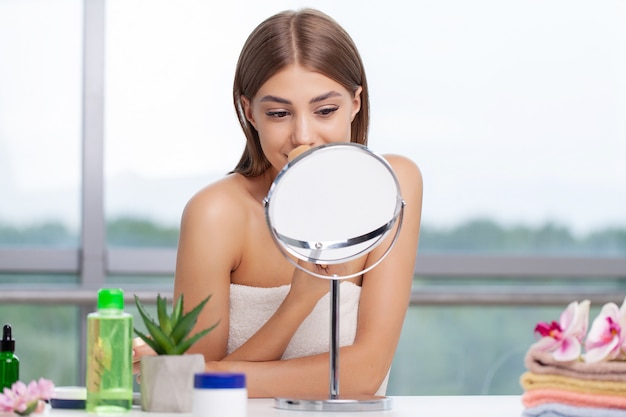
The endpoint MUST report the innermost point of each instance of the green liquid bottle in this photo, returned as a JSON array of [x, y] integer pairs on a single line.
[[109, 355], [9, 363]]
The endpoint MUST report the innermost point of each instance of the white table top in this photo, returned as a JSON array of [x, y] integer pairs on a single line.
[[413, 406]]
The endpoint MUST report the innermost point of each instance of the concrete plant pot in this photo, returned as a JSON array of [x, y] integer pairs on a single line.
[[166, 382]]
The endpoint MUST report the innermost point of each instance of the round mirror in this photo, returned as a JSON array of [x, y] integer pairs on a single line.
[[333, 203]]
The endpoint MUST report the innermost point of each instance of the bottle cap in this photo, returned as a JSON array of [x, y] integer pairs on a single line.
[[7, 344], [209, 380], [111, 298]]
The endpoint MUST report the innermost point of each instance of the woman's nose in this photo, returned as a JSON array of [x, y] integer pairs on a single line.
[[302, 132]]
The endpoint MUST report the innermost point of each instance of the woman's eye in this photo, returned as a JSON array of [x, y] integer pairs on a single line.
[[326, 111], [277, 113]]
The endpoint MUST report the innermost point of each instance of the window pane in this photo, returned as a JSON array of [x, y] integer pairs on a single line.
[[515, 111], [56, 328], [170, 127], [466, 350], [40, 121]]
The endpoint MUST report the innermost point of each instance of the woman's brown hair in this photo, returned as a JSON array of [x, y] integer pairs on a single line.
[[306, 37]]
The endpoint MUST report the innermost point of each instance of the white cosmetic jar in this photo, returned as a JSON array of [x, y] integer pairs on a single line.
[[219, 394]]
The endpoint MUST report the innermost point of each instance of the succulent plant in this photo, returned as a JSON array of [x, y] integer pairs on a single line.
[[170, 335]]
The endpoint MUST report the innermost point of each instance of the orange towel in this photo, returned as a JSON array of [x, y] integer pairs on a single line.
[[543, 363], [537, 397], [532, 381]]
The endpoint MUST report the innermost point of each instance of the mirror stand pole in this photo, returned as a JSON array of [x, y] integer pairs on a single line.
[[334, 339], [334, 402]]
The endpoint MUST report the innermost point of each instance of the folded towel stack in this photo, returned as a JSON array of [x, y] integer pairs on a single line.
[[572, 389]]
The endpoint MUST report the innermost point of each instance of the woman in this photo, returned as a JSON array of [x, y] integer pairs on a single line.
[[299, 81]]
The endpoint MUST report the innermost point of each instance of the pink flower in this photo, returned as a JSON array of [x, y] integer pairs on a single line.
[[564, 339], [24, 399], [44, 389], [606, 339], [19, 396], [6, 401]]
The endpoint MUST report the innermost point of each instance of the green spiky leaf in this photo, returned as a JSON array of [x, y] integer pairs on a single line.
[[169, 336], [160, 338], [186, 322], [164, 320], [187, 343], [149, 341], [177, 310]]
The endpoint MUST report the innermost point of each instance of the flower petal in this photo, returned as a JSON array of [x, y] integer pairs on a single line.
[[575, 320], [600, 331], [46, 388], [567, 316], [6, 403], [583, 318], [606, 351], [568, 351], [545, 344]]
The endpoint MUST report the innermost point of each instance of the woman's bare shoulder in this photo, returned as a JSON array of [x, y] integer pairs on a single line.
[[405, 169], [222, 201]]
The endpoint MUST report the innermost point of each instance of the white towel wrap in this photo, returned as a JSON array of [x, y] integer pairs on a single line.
[[251, 307]]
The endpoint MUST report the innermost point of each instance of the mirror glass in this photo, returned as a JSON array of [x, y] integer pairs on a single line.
[[333, 203]]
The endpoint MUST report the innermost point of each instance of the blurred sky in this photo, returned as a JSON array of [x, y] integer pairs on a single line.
[[514, 110]]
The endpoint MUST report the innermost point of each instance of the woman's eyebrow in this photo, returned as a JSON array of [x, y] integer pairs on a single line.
[[325, 96], [274, 99], [321, 97]]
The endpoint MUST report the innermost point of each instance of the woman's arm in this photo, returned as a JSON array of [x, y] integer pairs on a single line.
[[212, 242], [208, 250], [271, 340]]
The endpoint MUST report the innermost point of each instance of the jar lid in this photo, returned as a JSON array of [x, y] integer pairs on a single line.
[[219, 380], [69, 393]]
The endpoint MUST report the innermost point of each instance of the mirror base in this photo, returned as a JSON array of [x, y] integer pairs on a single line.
[[368, 403]]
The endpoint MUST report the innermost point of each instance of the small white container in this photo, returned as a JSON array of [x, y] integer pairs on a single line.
[[219, 394], [69, 397]]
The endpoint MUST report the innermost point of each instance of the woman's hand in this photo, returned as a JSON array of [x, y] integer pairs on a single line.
[[305, 286], [140, 349]]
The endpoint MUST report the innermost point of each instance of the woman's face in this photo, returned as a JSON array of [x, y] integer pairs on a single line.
[[300, 107]]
